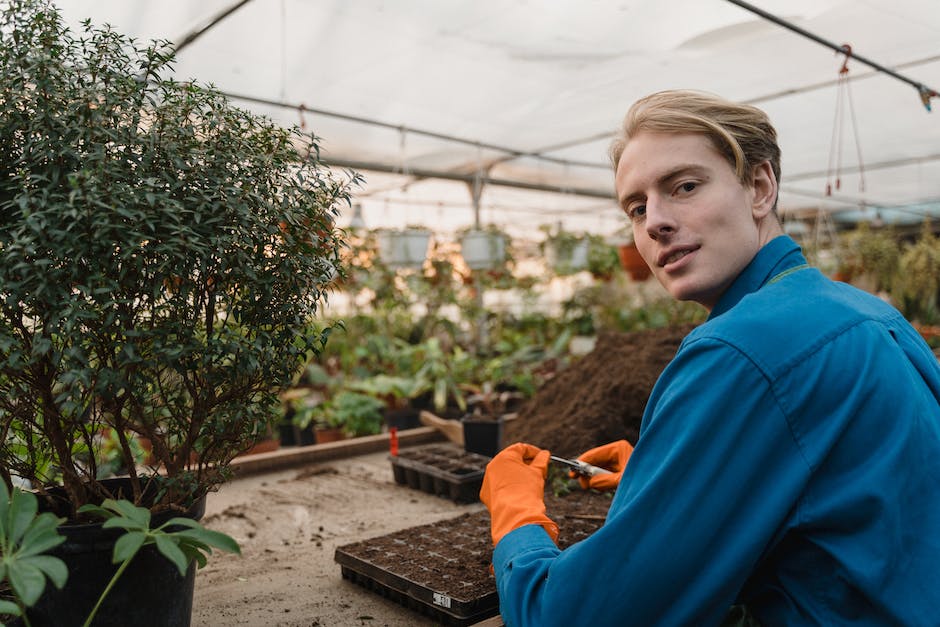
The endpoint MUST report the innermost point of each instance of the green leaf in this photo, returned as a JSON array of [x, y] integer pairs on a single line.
[[100, 512], [53, 567], [216, 539], [4, 506], [22, 512], [127, 546], [42, 535], [172, 552], [139, 515], [183, 522], [8, 607], [27, 582], [122, 523]]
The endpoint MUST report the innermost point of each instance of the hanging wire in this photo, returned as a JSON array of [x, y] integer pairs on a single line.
[[843, 96]]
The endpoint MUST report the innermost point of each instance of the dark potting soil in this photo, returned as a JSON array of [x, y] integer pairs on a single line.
[[447, 564], [601, 397]]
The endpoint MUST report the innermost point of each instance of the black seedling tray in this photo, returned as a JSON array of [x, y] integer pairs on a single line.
[[442, 469], [442, 570]]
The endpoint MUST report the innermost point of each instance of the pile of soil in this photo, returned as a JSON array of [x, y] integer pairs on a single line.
[[601, 397]]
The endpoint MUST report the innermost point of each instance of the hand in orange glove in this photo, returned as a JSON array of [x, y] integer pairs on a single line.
[[514, 490], [611, 456]]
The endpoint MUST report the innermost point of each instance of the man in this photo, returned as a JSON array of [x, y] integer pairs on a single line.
[[789, 456]]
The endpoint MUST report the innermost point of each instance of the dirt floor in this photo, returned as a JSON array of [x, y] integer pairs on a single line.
[[290, 522]]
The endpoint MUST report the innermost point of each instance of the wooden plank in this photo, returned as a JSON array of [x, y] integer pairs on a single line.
[[315, 453]]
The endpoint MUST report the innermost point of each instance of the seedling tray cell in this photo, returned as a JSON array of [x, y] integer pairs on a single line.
[[442, 469], [442, 570]]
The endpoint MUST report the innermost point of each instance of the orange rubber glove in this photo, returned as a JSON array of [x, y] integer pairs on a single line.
[[611, 456], [514, 490]]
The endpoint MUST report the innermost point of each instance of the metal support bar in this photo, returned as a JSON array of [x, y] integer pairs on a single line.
[[202, 30], [515, 154], [923, 91], [468, 178]]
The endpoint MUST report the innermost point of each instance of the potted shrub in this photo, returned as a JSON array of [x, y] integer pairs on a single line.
[[162, 255]]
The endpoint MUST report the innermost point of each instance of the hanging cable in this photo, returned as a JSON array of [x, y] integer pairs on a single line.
[[923, 91], [843, 96]]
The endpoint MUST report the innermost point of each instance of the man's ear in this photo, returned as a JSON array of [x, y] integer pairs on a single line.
[[764, 189]]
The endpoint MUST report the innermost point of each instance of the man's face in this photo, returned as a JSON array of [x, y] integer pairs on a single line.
[[694, 223]]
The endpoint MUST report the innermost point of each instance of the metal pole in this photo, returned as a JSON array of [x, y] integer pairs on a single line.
[[923, 91]]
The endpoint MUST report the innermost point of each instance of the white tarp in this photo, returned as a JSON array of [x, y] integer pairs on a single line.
[[531, 75]]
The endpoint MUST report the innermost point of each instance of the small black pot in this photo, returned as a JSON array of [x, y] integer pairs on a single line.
[[482, 435]]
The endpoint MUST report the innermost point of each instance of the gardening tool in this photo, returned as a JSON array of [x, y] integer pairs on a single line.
[[582, 468]]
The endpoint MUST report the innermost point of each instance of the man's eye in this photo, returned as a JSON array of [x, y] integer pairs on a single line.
[[635, 212], [688, 186]]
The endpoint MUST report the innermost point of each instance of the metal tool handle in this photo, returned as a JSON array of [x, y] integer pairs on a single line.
[[580, 467]]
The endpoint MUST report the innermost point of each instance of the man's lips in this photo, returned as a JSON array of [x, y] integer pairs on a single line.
[[673, 255]]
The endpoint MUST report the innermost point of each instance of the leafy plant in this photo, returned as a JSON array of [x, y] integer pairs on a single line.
[[872, 252], [566, 252], [603, 260], [163, 255], [356, 413], [918, 286], [24, 538], [181, 540]]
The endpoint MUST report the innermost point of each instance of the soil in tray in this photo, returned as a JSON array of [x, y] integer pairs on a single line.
[[452, 557]]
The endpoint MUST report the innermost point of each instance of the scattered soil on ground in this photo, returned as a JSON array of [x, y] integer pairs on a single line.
[[601, 397]]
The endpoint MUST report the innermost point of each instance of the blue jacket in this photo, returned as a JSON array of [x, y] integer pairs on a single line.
[[788, 459]]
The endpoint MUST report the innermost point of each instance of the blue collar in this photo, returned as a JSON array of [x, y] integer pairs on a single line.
[[778, 255]]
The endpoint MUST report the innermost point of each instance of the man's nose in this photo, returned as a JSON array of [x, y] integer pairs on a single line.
[[660, 220]]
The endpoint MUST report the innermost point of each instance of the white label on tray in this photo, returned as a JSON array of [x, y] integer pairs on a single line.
[[441, 599]]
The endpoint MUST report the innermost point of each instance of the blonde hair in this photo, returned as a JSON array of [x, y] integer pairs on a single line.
[[741, 133]]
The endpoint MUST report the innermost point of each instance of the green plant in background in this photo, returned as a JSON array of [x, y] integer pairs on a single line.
[[444, 372], [163, 255], [357, 414], [603, 260], [919, 281], [566, 252], [871, 252]]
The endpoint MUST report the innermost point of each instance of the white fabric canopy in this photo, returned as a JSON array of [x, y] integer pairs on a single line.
[[554, 77]]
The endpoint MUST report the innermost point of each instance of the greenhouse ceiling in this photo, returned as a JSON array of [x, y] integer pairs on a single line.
[[425, 97]]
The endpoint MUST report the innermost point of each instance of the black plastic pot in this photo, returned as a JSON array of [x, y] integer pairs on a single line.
[[292, 435], [401, 419], [150, 592], [482, 435]]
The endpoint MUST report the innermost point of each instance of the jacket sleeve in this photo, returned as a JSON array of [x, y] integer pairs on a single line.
[[715, 473]]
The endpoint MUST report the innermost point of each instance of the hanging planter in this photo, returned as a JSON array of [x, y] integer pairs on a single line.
[[405, 249], [483, 249], [633, 263], [567, 253]]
